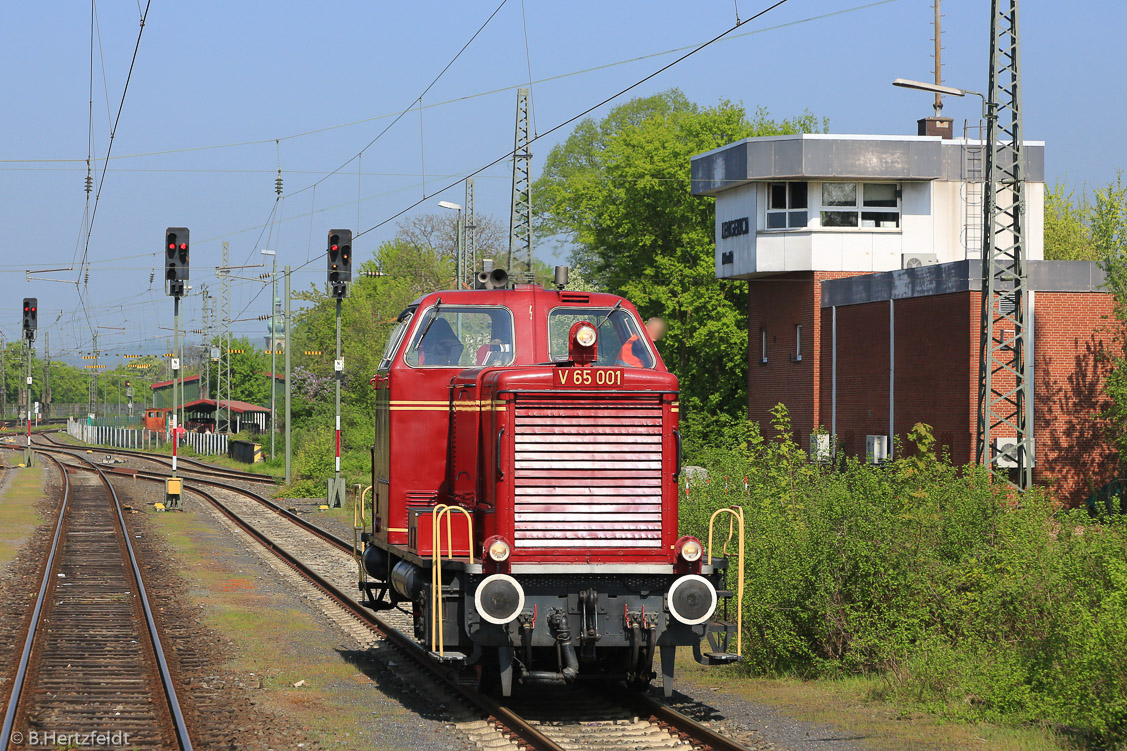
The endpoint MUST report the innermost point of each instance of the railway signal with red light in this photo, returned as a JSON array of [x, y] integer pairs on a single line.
[[30, 316], [339, 261], [176, 250]]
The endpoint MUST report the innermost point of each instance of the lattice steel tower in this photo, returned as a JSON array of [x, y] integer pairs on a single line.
[[520, 219], [223, 372], [1005, 384], [469, 224]]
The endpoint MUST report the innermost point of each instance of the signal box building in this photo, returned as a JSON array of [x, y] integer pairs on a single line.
[[863, 261]]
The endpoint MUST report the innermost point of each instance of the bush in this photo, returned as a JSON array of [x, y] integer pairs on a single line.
[[968, 599]]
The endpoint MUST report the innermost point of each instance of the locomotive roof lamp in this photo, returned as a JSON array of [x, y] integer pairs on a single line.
[[339, 255], [176, 252], [1005, 435], [30, 323]]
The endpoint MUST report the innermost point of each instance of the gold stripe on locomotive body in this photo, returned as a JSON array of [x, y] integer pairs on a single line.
[[525, 486]]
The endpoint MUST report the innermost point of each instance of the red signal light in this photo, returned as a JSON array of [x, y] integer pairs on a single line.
[[335, 248], [183, 246], [172, 246]]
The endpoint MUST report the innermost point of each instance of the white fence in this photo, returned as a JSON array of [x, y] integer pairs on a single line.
[[206, 444]]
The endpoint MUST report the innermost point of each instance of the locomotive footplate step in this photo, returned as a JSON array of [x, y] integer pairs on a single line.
[[449, 658]]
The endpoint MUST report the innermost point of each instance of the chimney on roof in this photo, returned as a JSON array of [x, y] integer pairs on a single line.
[[935, 126]]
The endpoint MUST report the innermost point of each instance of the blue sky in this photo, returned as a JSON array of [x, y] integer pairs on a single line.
[[211, 74]]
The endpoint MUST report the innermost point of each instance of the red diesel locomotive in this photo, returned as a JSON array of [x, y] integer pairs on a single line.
[[525, 480]]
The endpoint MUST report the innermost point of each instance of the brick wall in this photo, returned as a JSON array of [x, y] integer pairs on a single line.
[[936, 379], [776, 305], [1071, 339]]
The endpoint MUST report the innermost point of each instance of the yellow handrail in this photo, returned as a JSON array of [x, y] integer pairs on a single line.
[[358, 523], [736, 517], [443, 511]]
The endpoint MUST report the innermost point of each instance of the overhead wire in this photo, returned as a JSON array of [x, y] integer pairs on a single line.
[[105, 164], [467, 97], [509, 154]]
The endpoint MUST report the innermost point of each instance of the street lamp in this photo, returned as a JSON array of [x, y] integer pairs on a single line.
[[458, 260], [273, 343], [936, 88]]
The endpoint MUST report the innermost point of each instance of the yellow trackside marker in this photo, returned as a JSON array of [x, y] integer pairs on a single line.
[[323, 507], [158, 506]]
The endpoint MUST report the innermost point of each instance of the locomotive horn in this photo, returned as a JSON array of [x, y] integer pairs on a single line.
[[498, 279], [482, 280]]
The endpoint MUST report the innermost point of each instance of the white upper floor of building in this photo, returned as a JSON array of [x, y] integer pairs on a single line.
[[859, 203]]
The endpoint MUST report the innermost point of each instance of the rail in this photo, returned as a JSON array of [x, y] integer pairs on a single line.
[[735, 518], [164, 673]]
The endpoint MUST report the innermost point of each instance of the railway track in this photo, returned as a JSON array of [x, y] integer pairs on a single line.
[[185, 464], [92, 671], [572, 720]]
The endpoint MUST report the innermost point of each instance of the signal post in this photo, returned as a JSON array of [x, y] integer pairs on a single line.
[[176, 244], [30, 324], [339, 270]]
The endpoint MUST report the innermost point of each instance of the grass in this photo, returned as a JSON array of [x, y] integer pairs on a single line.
[[272, 639], [18, 507], [848, 705]]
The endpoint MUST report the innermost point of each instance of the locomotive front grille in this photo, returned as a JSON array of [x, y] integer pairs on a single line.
[[588, 473]]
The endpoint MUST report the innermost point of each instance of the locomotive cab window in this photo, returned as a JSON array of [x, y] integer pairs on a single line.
[[395, 339], [462, 336], [621, 340]]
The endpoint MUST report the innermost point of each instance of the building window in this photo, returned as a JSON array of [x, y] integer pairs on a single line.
[[798, 342], [787, 205], [763, 346], [864, 205]]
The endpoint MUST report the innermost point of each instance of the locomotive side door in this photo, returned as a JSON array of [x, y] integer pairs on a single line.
[[381, 445]]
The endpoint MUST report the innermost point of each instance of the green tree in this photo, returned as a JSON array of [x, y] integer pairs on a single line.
[[1108, 226], [618, 191], [1067, 236], [249, 368]]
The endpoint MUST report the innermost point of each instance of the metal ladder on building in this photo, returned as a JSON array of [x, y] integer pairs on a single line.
[[971, 190]]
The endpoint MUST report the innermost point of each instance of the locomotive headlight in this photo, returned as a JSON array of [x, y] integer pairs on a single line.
[[691, 550], [498, 550], [691, 599], [586, 336], [499, 599]]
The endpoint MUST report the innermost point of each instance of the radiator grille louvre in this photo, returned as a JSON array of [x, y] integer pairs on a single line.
[[588, 474]]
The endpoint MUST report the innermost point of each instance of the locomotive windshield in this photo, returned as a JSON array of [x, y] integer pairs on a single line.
[[621, 340], [462, 336]]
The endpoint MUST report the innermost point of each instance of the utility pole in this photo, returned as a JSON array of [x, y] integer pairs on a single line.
[[45, 391], [289, 478], [1005, 384], [469, 224], [520, 217], [273, 347], [205, 353], [3, 376], [92, 406], [938, 105], [223, 379]]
